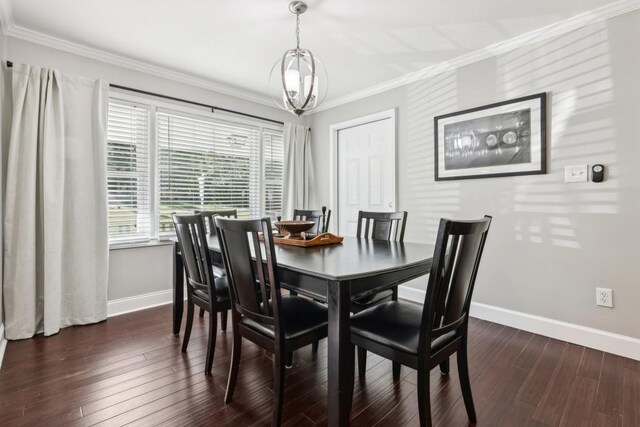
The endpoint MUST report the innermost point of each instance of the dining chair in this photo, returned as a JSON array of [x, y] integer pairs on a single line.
[[423, 337], [321, 217], [203, 288], [388, 226], [260, 313], [210, 215], [218, 268]]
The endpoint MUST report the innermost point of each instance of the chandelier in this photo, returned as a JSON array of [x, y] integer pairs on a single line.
[[298, 81]]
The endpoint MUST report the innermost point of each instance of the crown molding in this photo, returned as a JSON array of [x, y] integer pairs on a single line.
[[10, 29], [541, 34], [6, 16]]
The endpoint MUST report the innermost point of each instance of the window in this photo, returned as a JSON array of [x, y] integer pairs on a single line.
[[128, 172], [196, 163], [273, 158], [206, 165]]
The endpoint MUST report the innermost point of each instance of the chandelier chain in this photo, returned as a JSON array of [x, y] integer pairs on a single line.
[[298, 31]]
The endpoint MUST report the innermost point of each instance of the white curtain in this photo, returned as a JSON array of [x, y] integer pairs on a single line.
[[55, 229], [298, 168]]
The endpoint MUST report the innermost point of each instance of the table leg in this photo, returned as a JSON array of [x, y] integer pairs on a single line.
[[340, 354], [178, 289]]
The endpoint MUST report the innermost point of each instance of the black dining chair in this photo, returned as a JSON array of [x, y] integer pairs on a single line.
[[218, 268], [388, 226], [423, 337], [210, 215], [203, 288], [321, 217], [382, 225], [260, 313]]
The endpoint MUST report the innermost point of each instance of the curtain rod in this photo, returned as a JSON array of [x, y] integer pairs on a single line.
[[213, 108]]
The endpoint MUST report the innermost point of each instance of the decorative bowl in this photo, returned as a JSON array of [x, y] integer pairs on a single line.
[[294, 228]]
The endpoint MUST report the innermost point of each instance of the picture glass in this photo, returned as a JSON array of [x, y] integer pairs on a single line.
[[504, 139]]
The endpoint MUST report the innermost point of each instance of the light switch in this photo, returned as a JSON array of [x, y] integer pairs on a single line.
[[577, 173]]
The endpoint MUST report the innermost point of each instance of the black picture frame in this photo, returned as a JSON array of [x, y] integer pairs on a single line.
[[535, 143]]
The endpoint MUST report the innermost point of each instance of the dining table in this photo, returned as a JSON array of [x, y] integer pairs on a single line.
[[334, 274]]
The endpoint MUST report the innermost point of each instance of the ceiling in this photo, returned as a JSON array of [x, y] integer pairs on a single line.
[[363, 43]]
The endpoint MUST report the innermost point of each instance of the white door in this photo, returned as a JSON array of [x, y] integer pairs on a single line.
[[366, 172]]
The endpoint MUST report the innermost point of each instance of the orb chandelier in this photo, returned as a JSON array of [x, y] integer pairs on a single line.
[[298, 81]]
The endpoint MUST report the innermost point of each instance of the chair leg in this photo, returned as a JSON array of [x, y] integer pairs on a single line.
[[211, 346], [278, 387], [201, 312], [465, 384], [223, 320], [362, 361], [188, 326], [236, 351], [424, 398], [314, 346], [396, 370], [444, 367], [289, 362]]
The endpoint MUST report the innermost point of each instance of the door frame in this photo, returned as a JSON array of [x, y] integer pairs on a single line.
[[333, 157]]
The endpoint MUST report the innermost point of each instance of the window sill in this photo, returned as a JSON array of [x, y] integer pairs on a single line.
[[133, 245]]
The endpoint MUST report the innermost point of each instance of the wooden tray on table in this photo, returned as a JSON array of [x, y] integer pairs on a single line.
[[319, 240]]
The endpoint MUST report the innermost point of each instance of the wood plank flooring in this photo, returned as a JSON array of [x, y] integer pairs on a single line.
[[129, 371]]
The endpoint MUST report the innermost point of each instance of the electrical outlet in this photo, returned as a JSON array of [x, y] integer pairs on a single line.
[[604, 297]]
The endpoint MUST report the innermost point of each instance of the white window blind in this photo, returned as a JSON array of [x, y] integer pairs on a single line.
[[206, 165], [128, 173], [273, 161]]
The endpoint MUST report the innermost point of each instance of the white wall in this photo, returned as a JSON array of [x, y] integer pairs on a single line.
[[551, 243], [3, 126], [138, 270]]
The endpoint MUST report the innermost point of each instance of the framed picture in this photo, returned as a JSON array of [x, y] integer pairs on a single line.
[[502, 139]]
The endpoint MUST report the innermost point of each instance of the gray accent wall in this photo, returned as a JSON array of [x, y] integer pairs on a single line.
[[551, 244], [3, 137]]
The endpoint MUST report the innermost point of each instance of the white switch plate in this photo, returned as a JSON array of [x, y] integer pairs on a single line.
[[576, 173]]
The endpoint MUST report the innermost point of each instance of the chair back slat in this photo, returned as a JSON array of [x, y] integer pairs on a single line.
[[254, 285], [262, 278], [383, 229], [320, 217], [210, 215], [456, 258], [442, 292], [382, 225], [192, 238]]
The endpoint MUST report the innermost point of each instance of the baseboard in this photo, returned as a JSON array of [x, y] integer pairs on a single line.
[[139, 302], [3, 343], [589, 337]]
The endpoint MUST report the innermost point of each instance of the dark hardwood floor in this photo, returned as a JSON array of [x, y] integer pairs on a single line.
[[129, 370]]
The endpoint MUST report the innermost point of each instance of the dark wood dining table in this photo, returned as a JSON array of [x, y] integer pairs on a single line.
[[333, 274]]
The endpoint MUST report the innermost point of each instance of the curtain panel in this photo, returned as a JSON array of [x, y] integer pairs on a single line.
[[298, 172], [55, 225]]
